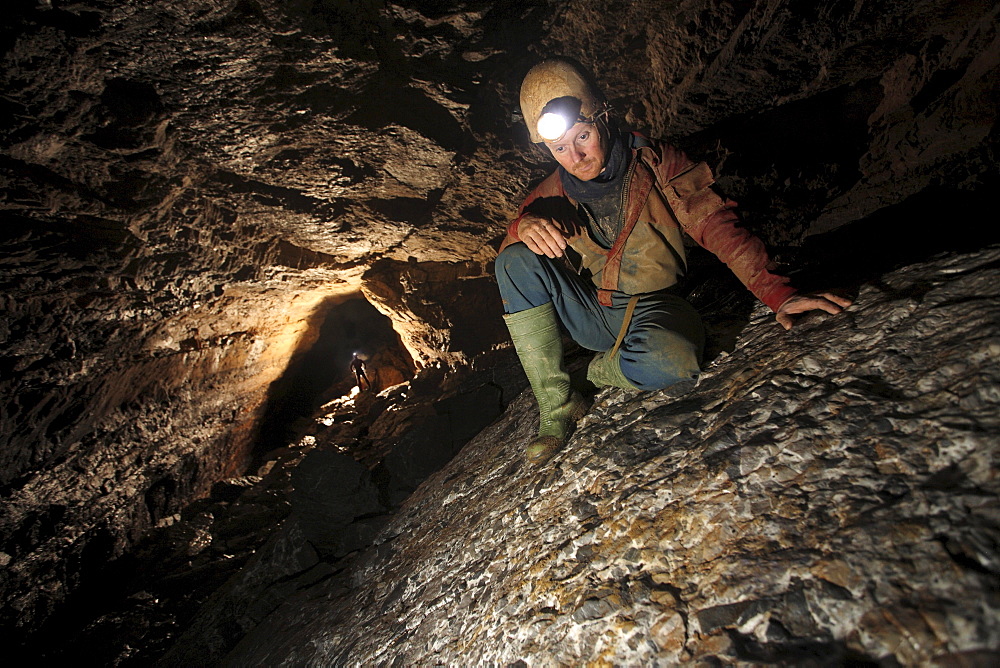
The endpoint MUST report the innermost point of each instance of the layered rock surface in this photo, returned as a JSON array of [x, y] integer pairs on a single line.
[[190, 188], [196, 584], [820, 497]]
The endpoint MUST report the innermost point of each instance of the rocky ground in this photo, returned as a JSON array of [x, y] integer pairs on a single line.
[[215, 568], [823, 497], [826, 496]]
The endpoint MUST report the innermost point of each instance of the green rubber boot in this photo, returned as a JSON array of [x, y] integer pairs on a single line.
[[536, 337], [604, 371]]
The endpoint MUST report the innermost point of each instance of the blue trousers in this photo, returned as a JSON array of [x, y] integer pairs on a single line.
[[665, 338]]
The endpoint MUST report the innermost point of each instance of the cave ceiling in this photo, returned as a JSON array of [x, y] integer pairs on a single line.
[[366, 130], [349, 137]]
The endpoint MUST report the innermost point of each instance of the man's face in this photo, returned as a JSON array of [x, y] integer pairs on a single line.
[[581, 151]]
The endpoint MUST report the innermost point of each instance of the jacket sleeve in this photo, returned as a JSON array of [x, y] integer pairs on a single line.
[[713, 223], [547, 188]]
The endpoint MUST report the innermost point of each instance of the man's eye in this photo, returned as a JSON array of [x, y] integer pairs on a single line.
[[585, 136]]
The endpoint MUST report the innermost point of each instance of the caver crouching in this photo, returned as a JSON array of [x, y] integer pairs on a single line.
[[598, 248]]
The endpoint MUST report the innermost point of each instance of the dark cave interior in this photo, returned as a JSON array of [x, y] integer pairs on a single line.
[[206, 206]]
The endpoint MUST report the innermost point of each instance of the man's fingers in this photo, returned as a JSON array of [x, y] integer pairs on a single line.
[[830, 302], [542, 237], [542, 245], [532, 246], [815, 304], [839, 300], [825, 301], [553, 238], [553, 241]]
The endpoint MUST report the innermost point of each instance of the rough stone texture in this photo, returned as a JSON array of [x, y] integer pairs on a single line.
[[197, 583], [818, 114], [819, 497], [188, 188], [463, 318]]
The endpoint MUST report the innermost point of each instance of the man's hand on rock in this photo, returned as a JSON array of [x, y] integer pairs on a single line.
[[813, 301], [541, 235]]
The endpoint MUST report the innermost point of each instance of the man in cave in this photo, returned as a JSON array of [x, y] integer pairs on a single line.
[[358, 367], [597, 247]]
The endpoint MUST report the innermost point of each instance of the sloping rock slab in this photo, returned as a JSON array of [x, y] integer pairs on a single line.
[[820, 497]]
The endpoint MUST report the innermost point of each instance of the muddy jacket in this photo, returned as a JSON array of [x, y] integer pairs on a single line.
[[664, 194]]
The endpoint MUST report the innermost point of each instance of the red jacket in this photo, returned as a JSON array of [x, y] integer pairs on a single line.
[[666, 193]]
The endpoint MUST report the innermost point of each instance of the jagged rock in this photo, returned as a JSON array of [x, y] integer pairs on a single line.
[[819, 497], [428, 445], [214, 570], [232, 488], [188, 188], [285, 564], [463, 319]]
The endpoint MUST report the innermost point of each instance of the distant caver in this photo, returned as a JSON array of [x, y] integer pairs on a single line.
[[620, 203], [358, 367]]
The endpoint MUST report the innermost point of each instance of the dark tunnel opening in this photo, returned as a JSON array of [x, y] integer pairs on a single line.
[[322, 372]]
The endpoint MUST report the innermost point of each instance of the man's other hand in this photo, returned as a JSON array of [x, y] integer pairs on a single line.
[[813, 301], [541, 235]]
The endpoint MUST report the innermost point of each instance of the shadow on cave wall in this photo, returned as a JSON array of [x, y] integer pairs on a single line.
[[323, 369], [935, 221], [786, 165], [769, 164]]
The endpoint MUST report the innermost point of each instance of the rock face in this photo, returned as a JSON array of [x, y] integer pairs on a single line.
[[819, 497], [189, 188], [463, 319]]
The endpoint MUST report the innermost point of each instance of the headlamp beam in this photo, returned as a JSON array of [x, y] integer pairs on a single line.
[[558, 116]]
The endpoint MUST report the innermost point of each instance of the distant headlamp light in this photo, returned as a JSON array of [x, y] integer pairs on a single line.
[[552, 126]]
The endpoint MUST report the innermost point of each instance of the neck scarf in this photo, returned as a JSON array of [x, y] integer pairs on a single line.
[[607, 182]]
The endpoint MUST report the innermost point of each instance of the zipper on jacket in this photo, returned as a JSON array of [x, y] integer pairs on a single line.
[[625, 188]]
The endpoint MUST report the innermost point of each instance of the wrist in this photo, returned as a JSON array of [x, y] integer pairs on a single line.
[[782, 297], [512, 228]]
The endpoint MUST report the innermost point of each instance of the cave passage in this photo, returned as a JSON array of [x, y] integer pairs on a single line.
[[322, 371]]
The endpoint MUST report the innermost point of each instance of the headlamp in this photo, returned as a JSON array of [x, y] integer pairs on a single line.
[[558, 116], [552, 126]]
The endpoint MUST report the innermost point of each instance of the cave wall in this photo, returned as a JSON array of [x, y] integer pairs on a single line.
[[445, 313], [185, 183], [818, 114]]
